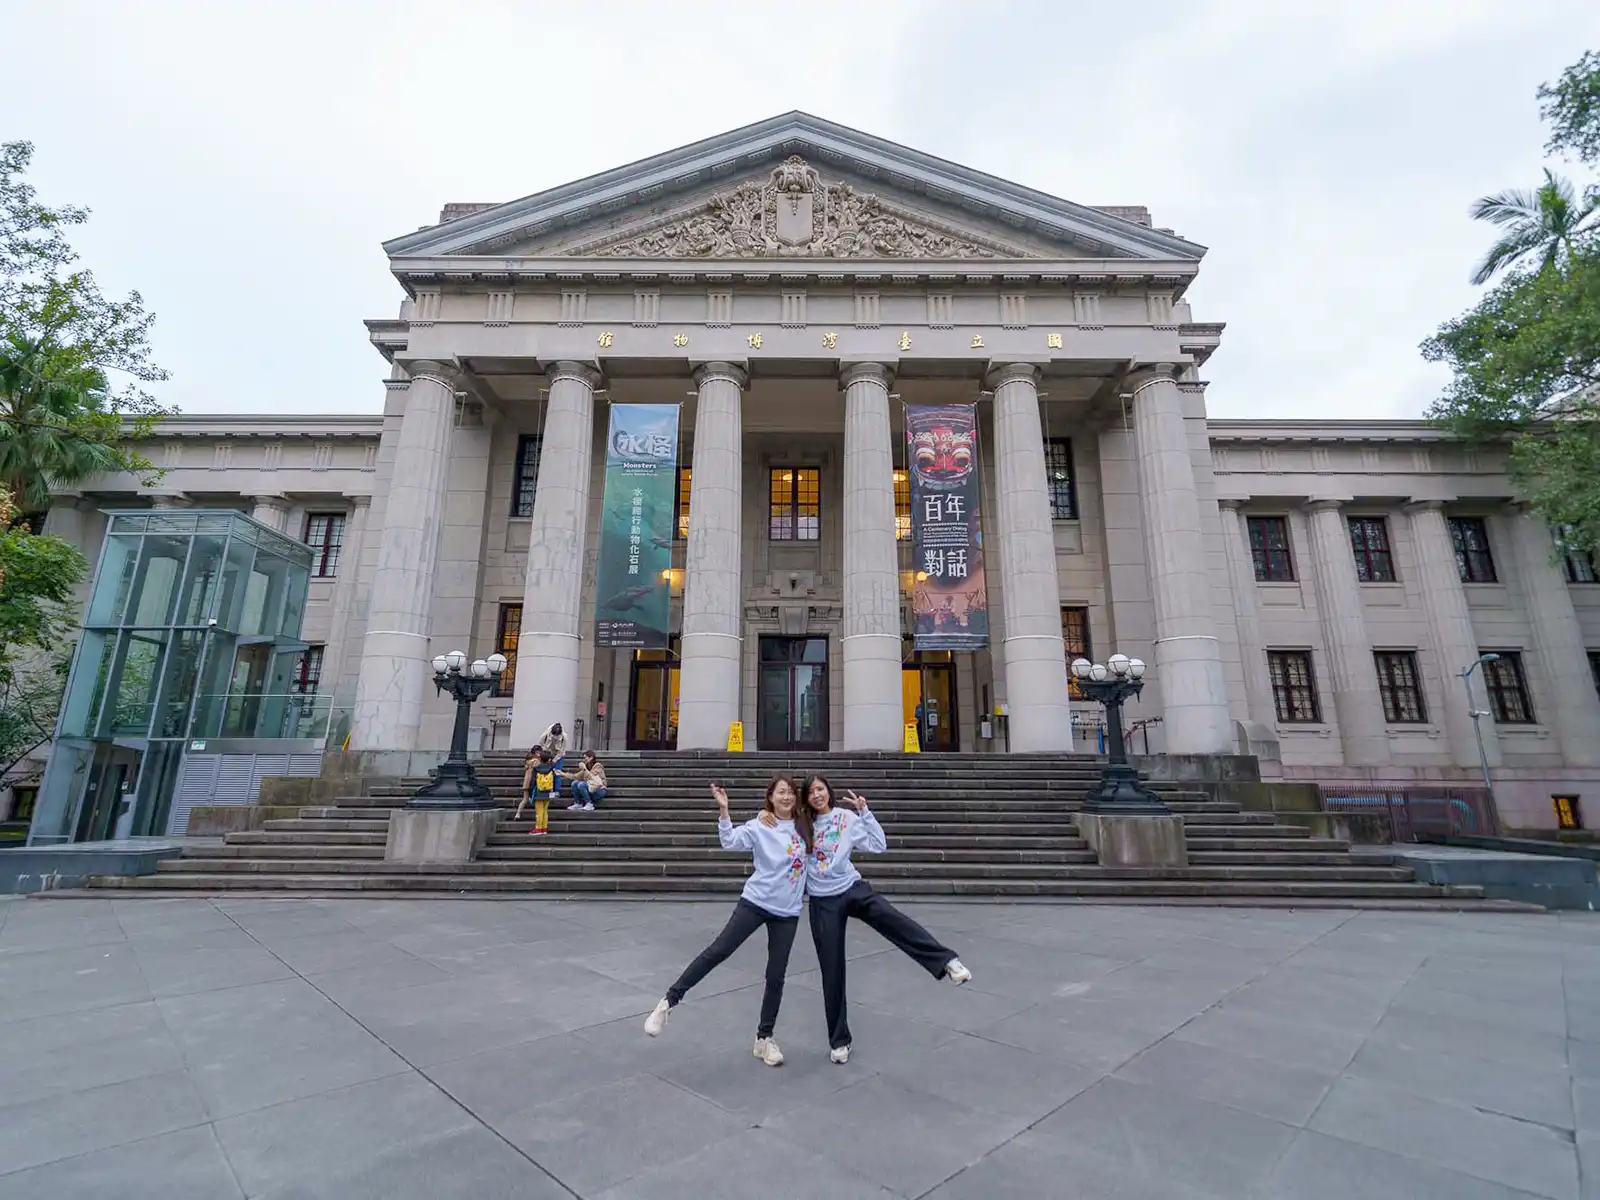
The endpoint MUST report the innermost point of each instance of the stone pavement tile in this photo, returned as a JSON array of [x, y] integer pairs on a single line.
[[1378, 960], [70, 963], [1101, 1040], [338, 952], [1588, 1165], [283, 1012], [697, 1026], [1348, 1002], [42, 1131], [1210, 1147], [91, 991], [1277, 1036], [598, 1138], [1583, 1019], [735, 1081], [507, 1080], [24, 934], [463, 1162], [1318, 1167], [1028, 973], [40, 1035], [1583, 1058], [902, 1138], [900, 986], [593, 1000], [988, 1076], [382, 979], [249, 1076], [1243, 1081], [1586, 1104], [743, 1166], [35, 1070], [179, 972], [1487, 1039], [305, 1141], [1547, 1015], [1529, 1093], [1515, 1153], [1031, 1167], [185, 1165]]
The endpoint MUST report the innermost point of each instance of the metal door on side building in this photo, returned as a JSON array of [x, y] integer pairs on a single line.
[[792, 694]]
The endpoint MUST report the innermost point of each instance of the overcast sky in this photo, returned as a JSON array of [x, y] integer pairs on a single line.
[[244, 162]]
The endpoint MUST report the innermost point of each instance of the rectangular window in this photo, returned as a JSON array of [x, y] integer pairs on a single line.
[[1507, 685], [794, 509], [307, 672], [1400, 684], [685, 477], [1470, 536], [526, 480], [1294, 687], [902, 505], [325, 536], [1369, 540], [1578, 562], [505, 642], [1075, 635], [1269, 548], [1594, 669], [1058, 473]]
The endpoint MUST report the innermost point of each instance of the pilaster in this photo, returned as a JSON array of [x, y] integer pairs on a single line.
[[1252, 650], [339, 652], [1347, 650], [272, 511]]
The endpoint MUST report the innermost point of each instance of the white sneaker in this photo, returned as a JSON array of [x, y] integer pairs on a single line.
[[766, 1049], [839, 1054], [588, 808], [657, 1020], [574, 807], [956, 973]]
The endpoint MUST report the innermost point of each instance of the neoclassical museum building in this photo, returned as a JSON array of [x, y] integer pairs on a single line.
[[1307, 591]]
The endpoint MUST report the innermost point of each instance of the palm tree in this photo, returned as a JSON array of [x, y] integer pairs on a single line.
[[57, 425], [1543, 222]]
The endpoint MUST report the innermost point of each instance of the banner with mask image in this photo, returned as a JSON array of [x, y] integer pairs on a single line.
[[949, 606], [633, 588]]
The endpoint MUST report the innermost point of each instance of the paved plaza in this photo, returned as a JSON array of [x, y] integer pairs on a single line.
[[396, 1049]]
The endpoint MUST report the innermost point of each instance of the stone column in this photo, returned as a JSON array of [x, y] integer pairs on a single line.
[[394, 655], [1188, 662], [338, 654], [1454, 642], [1252, 651], [713, 610], [547, 649], [1347, 650], [1035, 658], [271, 511], [871, 632], [1558, 642]]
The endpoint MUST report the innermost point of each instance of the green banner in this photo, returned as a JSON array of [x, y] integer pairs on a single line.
[[636, 524]]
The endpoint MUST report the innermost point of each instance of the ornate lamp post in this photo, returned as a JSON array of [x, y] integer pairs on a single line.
[[455, 785], [1111, 683]]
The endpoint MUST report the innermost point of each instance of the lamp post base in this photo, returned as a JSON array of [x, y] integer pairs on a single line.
[[1121, 791], [1135, 840], [454, 786]]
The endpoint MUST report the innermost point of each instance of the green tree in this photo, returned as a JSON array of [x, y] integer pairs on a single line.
[[73, 362], [1525, 360], [1546, 222]]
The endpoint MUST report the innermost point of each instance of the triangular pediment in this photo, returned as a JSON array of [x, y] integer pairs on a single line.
[[793, 187]]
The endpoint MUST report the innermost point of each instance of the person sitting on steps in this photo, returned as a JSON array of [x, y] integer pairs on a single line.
[[588, 783]]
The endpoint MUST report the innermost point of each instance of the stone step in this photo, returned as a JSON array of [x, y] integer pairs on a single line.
[[1224, 858], [1108, 889], [541, 849], [274, 837], [880, 797]]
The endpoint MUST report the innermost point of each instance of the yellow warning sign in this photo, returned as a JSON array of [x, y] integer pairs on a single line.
[[913, 744], [736, 737]]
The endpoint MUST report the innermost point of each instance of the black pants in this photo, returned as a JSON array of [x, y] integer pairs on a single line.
[[828, 917], [746, 919]]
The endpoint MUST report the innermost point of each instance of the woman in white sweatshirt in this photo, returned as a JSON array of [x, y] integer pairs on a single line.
[[771, 897], [837, 892]]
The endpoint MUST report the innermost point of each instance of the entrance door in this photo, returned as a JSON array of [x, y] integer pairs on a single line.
[[792, 701], [112, 777], [653, 699], [928, 697]]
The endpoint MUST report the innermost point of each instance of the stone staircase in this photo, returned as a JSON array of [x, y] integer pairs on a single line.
[[957, 826]]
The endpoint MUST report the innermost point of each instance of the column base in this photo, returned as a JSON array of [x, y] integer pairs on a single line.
[[1135, 841], [427, 836]]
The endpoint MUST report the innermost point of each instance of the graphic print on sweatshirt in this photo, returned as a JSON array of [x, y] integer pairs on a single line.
[[796, 850], [827, 842]]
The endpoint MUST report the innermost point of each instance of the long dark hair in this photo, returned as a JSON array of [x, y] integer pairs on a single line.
[[802, 814], [805, 801]]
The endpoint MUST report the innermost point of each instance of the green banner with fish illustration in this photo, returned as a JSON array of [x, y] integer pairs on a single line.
[[633, 590]]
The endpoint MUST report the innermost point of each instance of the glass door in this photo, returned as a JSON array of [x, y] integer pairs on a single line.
[[653, 699], [792, 694], [928, 698]]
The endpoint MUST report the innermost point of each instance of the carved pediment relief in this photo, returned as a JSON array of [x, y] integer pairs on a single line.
[[794, 214]]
